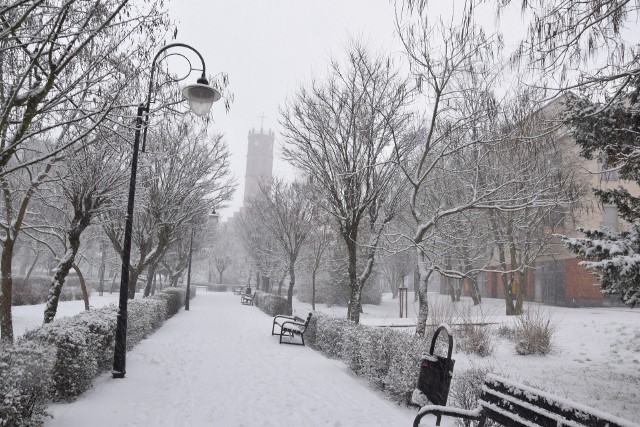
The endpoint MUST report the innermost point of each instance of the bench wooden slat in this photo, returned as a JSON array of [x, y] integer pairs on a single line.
[[517, 405], [540, 402]]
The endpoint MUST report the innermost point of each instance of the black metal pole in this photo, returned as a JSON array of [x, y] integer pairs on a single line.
[[186, 301], [120, 352]]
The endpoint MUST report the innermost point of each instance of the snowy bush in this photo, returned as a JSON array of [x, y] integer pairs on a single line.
[[534, 330], [74, 364], [474, 335], [466, 387], [174, 300], [331, 334], [25, 382], [144, 317], [404, 366], [218, 288], [389, 359], [273, 305]]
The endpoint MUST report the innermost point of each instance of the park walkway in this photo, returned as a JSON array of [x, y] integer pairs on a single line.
[[218, 365]]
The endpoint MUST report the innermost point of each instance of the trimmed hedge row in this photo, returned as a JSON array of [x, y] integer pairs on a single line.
[[36, 290], [59, 360], [271, 304], [389, 359]]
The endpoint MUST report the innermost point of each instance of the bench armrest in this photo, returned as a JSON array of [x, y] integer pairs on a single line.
[[474, 414]]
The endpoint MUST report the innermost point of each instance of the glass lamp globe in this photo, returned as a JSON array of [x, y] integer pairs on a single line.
[[201, 97]]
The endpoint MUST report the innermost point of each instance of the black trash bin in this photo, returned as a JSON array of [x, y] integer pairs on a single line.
[[436, 371]]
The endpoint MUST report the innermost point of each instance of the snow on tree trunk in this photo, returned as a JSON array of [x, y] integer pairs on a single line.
[[55, 289], [423, 283], [6, 321]]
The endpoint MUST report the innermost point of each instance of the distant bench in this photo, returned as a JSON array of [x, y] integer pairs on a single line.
[[290, 326], [247, 299], [516, 405]]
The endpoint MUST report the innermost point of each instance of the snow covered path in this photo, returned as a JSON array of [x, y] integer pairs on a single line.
[[218, 365]]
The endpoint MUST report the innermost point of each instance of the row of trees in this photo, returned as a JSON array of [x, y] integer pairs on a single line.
[[480, 177], [71, 74]]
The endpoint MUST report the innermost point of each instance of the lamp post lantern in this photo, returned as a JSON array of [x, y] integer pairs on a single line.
[[201, 97]]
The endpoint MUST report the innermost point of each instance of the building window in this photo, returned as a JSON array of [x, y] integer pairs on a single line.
[[610, 217]]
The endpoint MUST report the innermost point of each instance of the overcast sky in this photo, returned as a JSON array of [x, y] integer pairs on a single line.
[[268, 48]]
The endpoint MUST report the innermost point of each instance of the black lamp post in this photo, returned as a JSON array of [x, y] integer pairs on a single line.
[[201, 97], [186, 301]]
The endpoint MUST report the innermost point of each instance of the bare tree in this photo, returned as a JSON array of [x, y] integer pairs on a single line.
[[91, 177], [578, 44], [186, 176], [340, 131], [282, 214], [53, 55]]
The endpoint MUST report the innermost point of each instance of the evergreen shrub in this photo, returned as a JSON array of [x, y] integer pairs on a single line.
[[389, 359], [273, 305], [59, 360], [218, 288], [25, 383]]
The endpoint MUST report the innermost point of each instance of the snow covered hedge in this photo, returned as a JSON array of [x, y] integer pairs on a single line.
[[389, 359], [25, 383], [271, 304], [59, 360]]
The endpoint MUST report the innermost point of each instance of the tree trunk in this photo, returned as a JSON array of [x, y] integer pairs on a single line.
[[292, 282], [353, 311], [314, 273], [6, 321], [103, 266], [151, 272], [423, 280], [83, 287], [31, 268], [65, 264], [521, 292]]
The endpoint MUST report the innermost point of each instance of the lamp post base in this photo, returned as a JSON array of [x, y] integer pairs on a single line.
[[117, 374]]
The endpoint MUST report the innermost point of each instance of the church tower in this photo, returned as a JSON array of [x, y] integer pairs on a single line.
[[259, 161]]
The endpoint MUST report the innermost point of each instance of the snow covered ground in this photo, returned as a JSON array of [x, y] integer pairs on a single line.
[[218, 365]]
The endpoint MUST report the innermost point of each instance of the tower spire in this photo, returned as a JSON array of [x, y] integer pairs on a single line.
[[262, 117]]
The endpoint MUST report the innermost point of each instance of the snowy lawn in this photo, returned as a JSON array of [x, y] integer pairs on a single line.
[[218, 365]]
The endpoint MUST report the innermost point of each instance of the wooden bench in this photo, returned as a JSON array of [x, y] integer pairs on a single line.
[[516, 405], [247, 299], [291, 326], [239, 291]]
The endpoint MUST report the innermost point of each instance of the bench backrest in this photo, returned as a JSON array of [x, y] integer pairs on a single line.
[[514, 404]]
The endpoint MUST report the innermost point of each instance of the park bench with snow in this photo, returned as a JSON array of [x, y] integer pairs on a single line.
[[239, 291], [247, 299], [516, 405], [290, 326]]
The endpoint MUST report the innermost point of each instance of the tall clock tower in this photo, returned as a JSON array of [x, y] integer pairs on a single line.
[[259, 161]]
